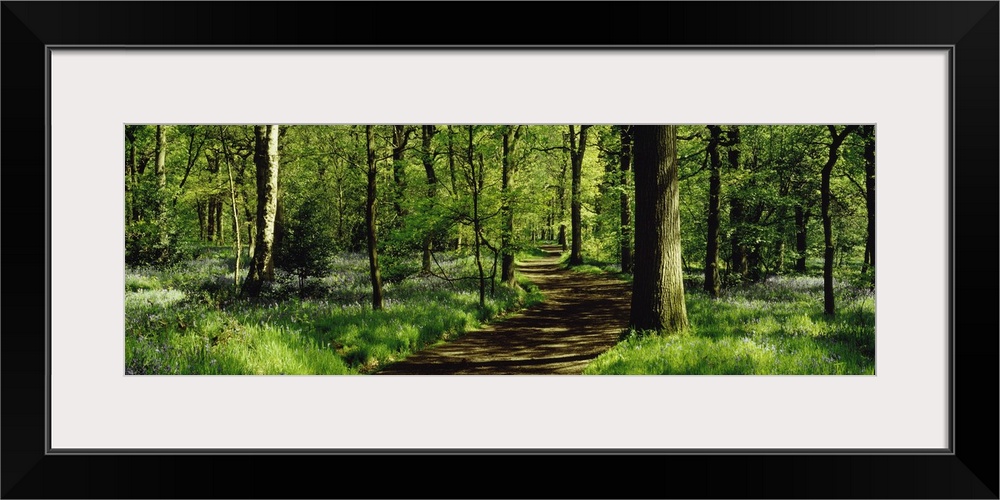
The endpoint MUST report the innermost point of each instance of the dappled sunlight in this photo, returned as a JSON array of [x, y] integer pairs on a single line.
[[582, 316], [777, 328]]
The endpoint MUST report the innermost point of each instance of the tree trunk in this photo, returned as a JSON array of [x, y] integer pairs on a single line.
[[510, 136], [625, 164], [576, 157], [161, 157], [562, 196], [200, 207], [236, 217], [218, 220], [370, 225], [868, 132], [427, 157], [400, 137], [738, 252], [161, 186], [236, 224], [279, 233], [828, 250], [714, 187], [551, 220], [266, 161], [210, 229], [454, 186], [801, 247], [248, 215], [130, 173], [477, 182], [658, 285]]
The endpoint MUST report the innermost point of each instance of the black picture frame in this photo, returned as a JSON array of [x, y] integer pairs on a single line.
[[969, 28]]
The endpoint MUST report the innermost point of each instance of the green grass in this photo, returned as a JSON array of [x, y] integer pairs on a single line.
[[529, 253], [775, 327], [187, 320], [587, 269], [591, 266]]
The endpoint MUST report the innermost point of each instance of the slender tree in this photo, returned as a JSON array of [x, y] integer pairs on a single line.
[[427, 158], [161, 189], [236, 218], [577, 148], [714, 186], [836, 139], [658, 286], [868, 134], [476, 183], [131, 214], [370, 223], [266, 161], [562, 195], [161, 156], [454, 184]]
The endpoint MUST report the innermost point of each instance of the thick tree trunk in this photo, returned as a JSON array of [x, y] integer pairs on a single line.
[[828, 300], [801, 243], [577, 151], [714, 187], [266, 161], [868, 131], [836, 139], [427, 158], [658, 286], [370, 224], [625, 165]]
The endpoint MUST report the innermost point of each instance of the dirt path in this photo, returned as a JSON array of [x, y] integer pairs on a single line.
[[580, 318]]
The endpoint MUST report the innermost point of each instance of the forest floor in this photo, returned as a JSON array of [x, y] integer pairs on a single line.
[[582, 316]]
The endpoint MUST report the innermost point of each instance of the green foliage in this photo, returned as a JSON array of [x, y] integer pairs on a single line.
[[306, 246], [772, 328], [184, 321], [149, 243], [397, 269], [322, 189]]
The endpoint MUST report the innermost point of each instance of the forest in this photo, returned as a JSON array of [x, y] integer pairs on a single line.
[[499, 249]]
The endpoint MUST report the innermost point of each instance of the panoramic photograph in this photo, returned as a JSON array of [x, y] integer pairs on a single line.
[[485, 249]]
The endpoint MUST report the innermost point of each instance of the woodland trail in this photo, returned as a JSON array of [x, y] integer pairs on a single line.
[[581, 317]]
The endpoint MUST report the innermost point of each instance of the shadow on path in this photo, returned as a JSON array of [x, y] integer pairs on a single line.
[[581, 317]]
